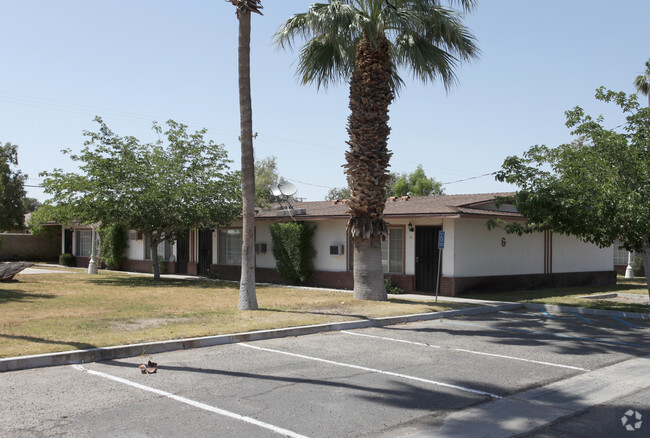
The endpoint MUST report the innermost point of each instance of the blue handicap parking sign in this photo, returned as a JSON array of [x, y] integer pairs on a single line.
[[441, 239]]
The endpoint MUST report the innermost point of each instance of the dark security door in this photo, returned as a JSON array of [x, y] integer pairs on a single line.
[[205, 251], [183, 253], [67, 242], [426, 258]]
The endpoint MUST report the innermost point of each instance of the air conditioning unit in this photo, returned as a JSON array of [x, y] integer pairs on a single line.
[[260, 248], [337, 249]]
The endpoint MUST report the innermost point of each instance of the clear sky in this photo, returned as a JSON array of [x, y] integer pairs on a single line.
[[136, 61]]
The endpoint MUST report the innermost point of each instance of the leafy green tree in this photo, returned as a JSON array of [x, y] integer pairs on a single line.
[[12, 189], [338, 193], [247, 296], [416, 183], [367, 42], [31, 204], [642, 82], [159, 189], [266, 175], [596, 188]]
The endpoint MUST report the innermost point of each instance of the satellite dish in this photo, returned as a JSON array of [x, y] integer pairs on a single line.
[[275, 190], [287, 189]]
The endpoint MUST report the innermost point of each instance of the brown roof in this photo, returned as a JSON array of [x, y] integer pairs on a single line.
[[447, 205]]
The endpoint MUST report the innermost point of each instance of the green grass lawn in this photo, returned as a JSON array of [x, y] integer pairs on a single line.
[[41, 313], [572, 296]]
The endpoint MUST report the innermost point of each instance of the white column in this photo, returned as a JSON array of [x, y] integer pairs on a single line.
[[92, 265], [629, 272]]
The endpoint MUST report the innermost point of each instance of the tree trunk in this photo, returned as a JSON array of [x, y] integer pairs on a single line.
[[367, 164], [368, 272], [154, 258], [247, 296], [646, 265]]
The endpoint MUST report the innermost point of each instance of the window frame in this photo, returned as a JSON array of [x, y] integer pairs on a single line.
[[167, 253], [226, 253], [350, 248], [78, 242]]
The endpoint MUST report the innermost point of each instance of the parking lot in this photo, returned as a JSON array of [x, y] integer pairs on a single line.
[[495, 374]]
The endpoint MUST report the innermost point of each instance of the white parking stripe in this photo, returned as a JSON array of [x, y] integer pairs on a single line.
[[467, 351], [421, 344], [372, 370], [196, 404]]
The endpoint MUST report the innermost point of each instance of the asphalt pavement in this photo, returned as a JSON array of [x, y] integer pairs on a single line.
[[511, 372]]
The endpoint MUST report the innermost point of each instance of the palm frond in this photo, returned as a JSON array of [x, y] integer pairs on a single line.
[[425, 60], [430, 41], [247, 6], [323, 61], [424, 37], [331, 32], [642, 82]]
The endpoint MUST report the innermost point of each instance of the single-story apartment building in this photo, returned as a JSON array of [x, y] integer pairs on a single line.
[[474, 257]]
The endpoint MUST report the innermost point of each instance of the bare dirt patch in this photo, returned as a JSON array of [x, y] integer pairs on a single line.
[[621, 297], [143, 323]]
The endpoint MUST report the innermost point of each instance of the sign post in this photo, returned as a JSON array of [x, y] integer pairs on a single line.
[[441, 246]]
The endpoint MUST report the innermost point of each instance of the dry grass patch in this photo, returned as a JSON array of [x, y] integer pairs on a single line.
[[573, 296], [42, 313]]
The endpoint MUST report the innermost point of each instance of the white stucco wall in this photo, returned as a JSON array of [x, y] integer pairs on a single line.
[[135, 249], [573, 255], [263, 235], [330, 233], [448, 253], [470, 249], [478, 251]]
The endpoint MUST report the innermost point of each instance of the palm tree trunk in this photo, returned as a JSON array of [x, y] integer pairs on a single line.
[[646, 265], [367, 165], [247, 296]]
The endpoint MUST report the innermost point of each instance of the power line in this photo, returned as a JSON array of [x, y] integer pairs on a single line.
[[467, 179], [444, 183]]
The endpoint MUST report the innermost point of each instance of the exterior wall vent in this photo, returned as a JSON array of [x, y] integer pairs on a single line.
[[337, 249], [260, 248]]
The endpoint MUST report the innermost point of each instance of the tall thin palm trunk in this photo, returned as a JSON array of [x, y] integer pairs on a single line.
[[247, 296]]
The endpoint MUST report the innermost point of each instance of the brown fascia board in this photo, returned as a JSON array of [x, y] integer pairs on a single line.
[[421, 215], [491, 216]]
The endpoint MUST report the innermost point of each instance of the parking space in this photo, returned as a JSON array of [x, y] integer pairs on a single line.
[[390, 380]]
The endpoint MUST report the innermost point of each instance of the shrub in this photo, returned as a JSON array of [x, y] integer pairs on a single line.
[[162, 265], [391, 287], [67, 259], [637, 266], [293, 250], [113, 241]]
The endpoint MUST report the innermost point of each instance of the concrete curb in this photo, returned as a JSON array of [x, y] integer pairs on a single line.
[[586, 311], [123, 351]]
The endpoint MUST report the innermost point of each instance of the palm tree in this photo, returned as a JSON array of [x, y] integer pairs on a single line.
[[366, 42], [642, 82], [247, 297]]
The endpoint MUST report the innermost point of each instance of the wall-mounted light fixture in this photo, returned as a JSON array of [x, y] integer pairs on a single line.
[[410, 225]]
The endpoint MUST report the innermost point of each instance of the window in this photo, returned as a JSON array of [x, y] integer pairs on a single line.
[[165, 249], [83, 242], [392, 252], [230, 241], [620, 254]]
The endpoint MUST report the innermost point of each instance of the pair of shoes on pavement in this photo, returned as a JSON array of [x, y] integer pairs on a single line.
[[150, 368]]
